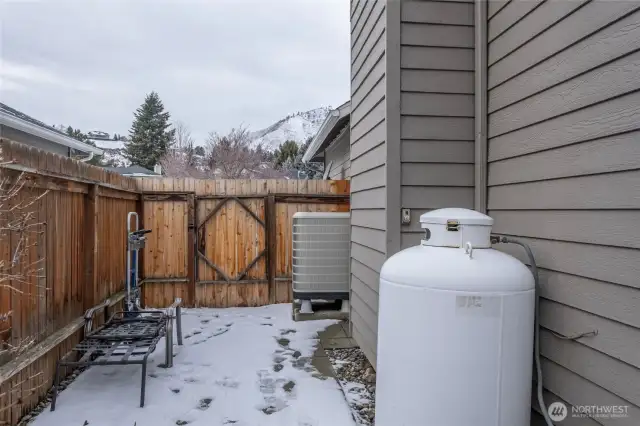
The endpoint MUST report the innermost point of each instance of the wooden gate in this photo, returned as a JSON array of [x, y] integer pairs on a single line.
[[231, 250], [225, 243], [167, 261]]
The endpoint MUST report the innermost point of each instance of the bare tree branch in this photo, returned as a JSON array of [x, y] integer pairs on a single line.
[[229, 156], [21, 268], [182, 137], [180, 159], [235, 156]]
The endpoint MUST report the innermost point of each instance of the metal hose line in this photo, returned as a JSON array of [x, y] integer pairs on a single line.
[[534, 270]]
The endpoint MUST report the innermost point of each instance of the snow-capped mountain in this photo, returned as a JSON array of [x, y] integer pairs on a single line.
[[297, 127]]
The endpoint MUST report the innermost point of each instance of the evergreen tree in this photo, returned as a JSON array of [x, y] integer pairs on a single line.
[[287, 150], [199, 150], [77, 134], [150, 137], [309, 170]]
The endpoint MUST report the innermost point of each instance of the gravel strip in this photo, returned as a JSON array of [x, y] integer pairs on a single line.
[[358, 381]]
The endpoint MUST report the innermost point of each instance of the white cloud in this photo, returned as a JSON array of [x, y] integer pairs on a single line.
[[29, 76], [25, 73], [215, 63]]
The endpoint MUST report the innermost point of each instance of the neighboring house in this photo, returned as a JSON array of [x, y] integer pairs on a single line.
[[331, 144], [136, 171], [97, 134], [526, 110], [19, 127]]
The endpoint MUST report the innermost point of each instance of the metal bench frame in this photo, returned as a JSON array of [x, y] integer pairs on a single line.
[[139, 337]]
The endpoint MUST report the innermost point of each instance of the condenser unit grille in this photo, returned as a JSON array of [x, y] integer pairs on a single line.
[[320, 250]]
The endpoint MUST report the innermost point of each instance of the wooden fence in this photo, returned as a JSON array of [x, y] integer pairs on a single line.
[[222, 243], [214, 243], [82, 262]]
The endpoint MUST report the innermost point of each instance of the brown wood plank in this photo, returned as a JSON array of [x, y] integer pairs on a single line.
[[91, 250], [209, 245], [221, 292], [230, 244], [271, 240], [190, 255]]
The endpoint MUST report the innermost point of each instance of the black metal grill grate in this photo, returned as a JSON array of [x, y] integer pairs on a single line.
[[121, 330]]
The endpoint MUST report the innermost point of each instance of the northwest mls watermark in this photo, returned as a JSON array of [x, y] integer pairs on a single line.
[[558, 411]]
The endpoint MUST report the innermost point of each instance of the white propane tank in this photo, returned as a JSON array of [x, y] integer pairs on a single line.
[[455, 329]]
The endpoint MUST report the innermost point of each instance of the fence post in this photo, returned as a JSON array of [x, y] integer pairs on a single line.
[[140, 255], [191, 250], [90, 289], [270, 221]]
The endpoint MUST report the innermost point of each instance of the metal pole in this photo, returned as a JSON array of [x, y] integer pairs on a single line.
[[169, 342], [179, 324], [136, 275], [128, 281]]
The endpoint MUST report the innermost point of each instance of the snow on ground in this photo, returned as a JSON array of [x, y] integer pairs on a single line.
[[357, 378], [238, 366], [357, 396]]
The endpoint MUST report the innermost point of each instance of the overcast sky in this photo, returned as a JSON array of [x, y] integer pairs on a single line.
[[215, 63]]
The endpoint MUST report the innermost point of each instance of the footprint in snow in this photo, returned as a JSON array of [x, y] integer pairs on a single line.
[[204, 403], [273, 405], [219, 332], [288, 387], [228, 382], [266, 383], [283, 342]]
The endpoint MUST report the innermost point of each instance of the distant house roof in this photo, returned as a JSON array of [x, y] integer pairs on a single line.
[[332, 127], [134, 170], [15, 119]]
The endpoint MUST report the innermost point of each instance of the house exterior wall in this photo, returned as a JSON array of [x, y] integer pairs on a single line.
[[412, 118], [563, 164], [564, 176], [437, 108], [31, 140], [368, 152], [337, 155]]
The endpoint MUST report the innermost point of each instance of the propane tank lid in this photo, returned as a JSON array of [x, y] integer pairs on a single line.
[[455, 227], [461, 216]]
